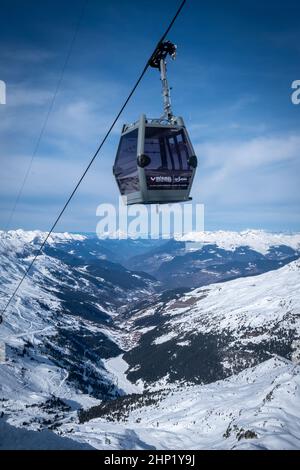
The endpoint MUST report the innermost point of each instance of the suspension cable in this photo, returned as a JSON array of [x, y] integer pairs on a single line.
[[93, 157]]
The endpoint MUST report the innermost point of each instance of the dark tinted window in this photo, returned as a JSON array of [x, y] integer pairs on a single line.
[[127, 154], [125, 168], [167, 148]]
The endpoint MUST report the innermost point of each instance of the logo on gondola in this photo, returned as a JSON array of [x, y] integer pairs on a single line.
[[161, 179], [180, 179], [168, 180]]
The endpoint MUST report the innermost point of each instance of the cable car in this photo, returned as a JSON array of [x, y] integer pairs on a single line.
[[155, 161]]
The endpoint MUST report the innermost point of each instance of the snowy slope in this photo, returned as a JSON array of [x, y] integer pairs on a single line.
[[257, 409], [60, 327], [20, 439], [66, 306], [244, 304]]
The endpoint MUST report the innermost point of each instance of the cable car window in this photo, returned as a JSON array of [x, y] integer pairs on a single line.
[[184, 150], [125, 168], [167, 149], [127, 153]]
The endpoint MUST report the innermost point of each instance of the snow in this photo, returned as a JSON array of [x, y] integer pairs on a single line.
[[26, 381], [164, 338], [20, 439], [118, 367], [21, 237], [263, 400], [258, 240], [183, 343], [146, 329], [260, 302]]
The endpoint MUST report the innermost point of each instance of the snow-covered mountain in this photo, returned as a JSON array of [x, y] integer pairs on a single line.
[[209, 333], [258, 240], [203, 258], [66, 306], [85, 329], [256, 409]]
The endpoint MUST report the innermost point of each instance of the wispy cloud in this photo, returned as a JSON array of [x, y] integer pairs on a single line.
[[24, 54], [81, 113], [258, 171]]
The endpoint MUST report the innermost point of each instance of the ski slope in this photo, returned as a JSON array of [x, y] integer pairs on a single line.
[[256, 409]]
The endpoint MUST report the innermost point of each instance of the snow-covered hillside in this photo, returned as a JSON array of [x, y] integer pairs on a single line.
[[63, 312], [12, 438], [241, 306], [211, 332], [256, 409]]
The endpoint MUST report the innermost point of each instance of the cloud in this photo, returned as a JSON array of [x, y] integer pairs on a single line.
[[255, 172], [27, 96], [253, 153], [82, 112], [24, 54], [80, 117], [51, 179]]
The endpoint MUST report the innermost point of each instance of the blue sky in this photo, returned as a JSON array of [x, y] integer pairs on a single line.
[[231, 83]]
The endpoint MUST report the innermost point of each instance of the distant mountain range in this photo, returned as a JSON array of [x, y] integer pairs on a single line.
[[200, 259], [124, 330]]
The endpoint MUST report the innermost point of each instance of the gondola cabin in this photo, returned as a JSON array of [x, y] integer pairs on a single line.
[[155, 162]]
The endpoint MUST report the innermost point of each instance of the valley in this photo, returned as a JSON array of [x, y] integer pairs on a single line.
[[100, 350]]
